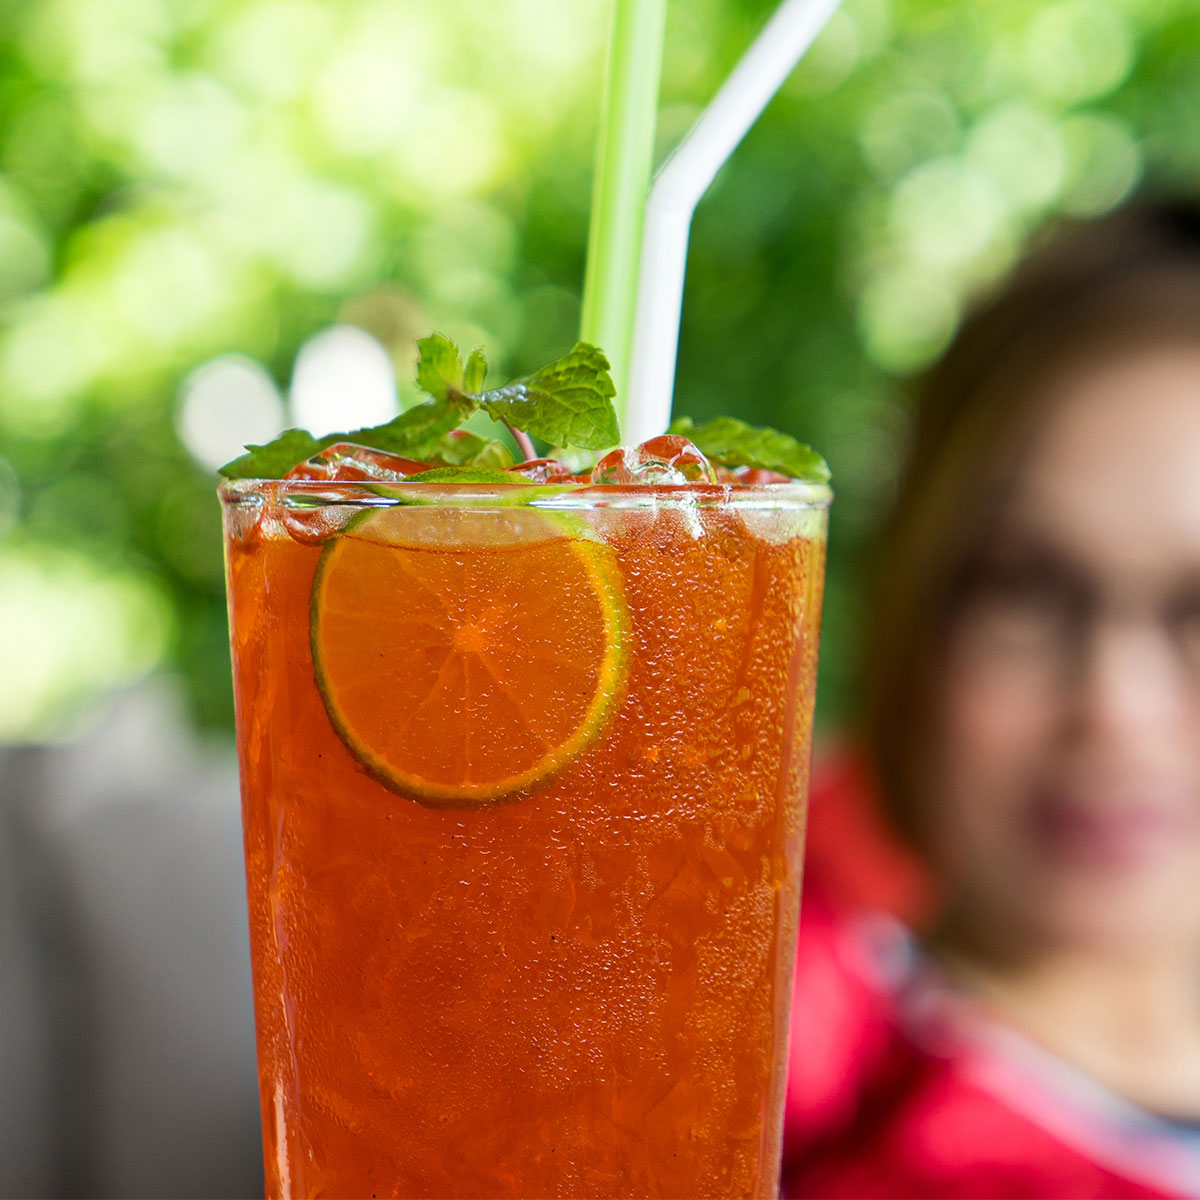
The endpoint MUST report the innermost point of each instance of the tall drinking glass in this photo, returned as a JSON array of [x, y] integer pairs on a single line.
[[523, 774]]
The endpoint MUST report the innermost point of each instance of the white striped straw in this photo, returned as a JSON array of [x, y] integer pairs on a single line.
[[678, 188]]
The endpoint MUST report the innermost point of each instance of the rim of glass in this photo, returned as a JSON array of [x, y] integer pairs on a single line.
[[310, 493]]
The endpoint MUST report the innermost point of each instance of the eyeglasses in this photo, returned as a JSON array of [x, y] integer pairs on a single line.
[[1042, 613]]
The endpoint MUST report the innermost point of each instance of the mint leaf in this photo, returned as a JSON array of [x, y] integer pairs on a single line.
[[493, 453], [416, 430], [475, 372], [568, 402], [274, 460], [732, 443], [439, 366], [417, 433], [462, 448]]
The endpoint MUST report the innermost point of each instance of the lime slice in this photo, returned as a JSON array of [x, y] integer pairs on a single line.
[[468, 655]]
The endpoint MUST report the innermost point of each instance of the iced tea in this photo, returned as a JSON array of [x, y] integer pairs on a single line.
[[524, 782]]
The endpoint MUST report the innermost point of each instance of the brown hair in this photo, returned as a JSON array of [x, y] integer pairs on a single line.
[[1131, 277]]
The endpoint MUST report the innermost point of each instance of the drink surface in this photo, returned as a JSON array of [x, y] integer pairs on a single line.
[[578, 988]]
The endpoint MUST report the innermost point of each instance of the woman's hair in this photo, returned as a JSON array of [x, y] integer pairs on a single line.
[[1131, 278]]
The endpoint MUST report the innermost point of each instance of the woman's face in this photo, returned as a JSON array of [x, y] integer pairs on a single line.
[[1064, 768]]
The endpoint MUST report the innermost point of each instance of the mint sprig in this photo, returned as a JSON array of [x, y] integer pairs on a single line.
[[569, 402], [729, 442]]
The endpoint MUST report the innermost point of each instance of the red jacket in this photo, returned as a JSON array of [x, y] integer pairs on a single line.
[[900, 1087]]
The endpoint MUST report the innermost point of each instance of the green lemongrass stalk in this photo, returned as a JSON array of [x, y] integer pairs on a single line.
[[624, 160]]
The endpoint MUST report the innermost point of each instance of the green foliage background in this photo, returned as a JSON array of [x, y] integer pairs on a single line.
[[186, 179]]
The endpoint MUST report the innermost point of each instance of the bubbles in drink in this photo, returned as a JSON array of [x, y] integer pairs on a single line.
[[346, 461], [667, 459]]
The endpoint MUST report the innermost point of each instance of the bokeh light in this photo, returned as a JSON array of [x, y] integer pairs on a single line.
[[1016, 152], [225, 405], [343, 380], [1078, 50], [1103, 163]]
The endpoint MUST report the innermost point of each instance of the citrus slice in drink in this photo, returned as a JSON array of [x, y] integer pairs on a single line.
[[465, 655]]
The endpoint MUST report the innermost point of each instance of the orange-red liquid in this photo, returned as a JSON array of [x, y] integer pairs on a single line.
[[579, 992]]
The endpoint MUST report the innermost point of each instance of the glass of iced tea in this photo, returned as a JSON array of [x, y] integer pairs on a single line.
[[524, 774]]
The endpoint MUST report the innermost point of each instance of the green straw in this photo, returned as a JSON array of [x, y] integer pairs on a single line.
[[624, 158]]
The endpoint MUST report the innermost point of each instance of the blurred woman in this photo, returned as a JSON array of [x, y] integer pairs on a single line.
[[1035, 738]]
